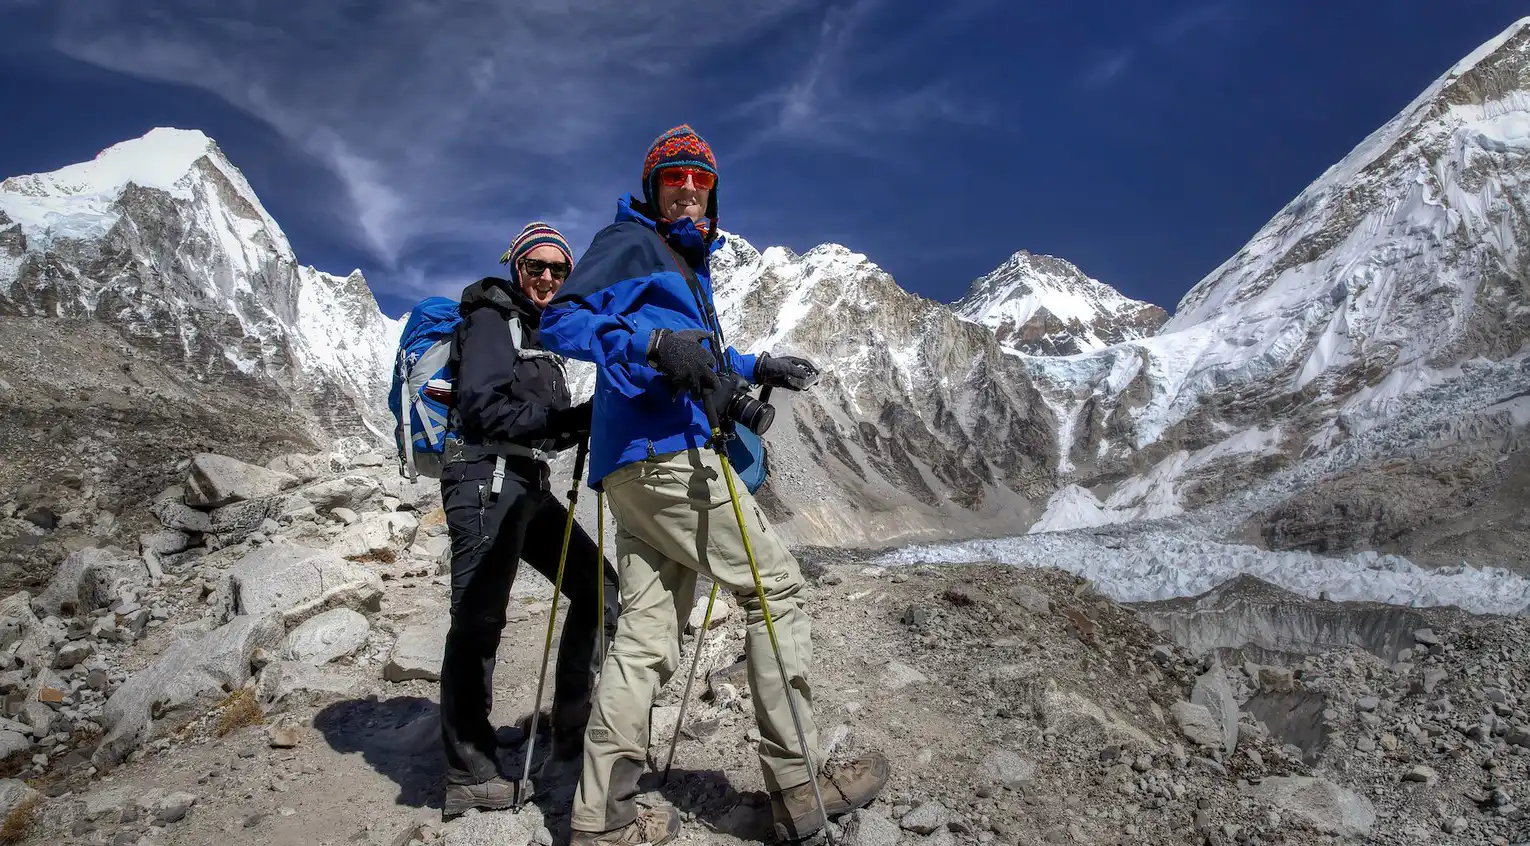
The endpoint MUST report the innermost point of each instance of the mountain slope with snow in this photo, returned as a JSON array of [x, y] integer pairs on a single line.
[[1042, 305], [162, 237], [1401, 271]]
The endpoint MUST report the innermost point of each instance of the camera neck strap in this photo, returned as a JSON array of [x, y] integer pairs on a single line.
[[703, 303]]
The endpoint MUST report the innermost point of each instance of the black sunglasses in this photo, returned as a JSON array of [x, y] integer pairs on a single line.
[[535, 267]]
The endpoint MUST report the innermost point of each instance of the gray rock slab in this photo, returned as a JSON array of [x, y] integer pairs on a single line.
[[299, 582], [187, 679], [89, 579], [1328, 807], [217, 480], [417, 654]]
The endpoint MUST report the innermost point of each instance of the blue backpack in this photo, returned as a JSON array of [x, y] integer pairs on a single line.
[[421, 394]]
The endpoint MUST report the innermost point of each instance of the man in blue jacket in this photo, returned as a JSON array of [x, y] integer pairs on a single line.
[[639, 305]]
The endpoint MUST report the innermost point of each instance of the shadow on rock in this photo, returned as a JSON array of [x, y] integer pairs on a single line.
[[709, 795], [398, 737]]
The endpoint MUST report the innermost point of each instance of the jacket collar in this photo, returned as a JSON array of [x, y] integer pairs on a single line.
[[502, 294], [681, 234]]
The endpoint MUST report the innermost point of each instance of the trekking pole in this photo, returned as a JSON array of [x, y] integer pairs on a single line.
[[600, 576], [552, 619], [770, 628], [685, 698]]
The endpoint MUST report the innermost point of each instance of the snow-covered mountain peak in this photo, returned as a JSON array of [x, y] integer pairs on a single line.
[[1043, 305], [160, 158], [79, 200]]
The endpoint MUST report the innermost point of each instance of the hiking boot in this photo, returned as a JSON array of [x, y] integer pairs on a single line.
[[845, 787], [493, 795], [652, 827]]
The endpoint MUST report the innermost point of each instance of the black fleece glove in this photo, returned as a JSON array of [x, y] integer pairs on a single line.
[[787, 371], [680, 356], [570, 421]]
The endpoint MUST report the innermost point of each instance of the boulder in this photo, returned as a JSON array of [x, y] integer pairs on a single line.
[[422, 494], [417, 654], [305, 468], [165, 542], [1198, 724], [233, 523], [13, 794], [1213, 692], [299, 582], [378, 536], [284, 682], [190, 677], [217, 480], [13, 746], [1006, 768], [348, 491], [327, 636], [89, 579], [175, 514], [1326, 806]]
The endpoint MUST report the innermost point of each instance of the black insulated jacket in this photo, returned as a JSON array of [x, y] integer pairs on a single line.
[[503, 392]]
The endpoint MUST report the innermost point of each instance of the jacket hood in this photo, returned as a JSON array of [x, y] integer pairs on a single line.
[[500, 293]]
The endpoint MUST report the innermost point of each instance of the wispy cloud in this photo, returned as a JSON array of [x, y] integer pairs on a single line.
[[1169, 33], [1108, 67], [836, 99], [450, 122]]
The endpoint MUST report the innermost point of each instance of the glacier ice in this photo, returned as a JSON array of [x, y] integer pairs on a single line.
[[1155, 565]]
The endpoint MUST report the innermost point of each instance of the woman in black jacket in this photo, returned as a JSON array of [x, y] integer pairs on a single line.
[[512, 415]]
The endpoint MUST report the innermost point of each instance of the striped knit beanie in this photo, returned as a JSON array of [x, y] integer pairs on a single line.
[[680, 146], [535, 235]]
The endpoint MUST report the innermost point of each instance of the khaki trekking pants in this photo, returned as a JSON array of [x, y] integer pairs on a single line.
[[674, 519]]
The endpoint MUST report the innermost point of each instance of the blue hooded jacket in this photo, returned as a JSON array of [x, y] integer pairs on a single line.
[[625, 286]]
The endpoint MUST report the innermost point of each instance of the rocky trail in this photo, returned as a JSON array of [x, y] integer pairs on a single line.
[[261, 670]]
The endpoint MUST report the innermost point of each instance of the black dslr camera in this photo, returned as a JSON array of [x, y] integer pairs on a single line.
[[742, 407]]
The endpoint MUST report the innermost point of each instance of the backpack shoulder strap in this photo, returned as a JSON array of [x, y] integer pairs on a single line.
[[703, 303]]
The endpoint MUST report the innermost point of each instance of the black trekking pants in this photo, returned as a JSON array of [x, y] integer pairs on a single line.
[[490, 535]]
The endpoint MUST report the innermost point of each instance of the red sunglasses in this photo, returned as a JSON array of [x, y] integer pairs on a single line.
[[674, 177]]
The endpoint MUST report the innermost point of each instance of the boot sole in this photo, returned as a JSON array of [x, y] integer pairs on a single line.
[[451, 808]]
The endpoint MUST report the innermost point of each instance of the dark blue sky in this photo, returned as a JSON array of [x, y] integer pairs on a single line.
[[1145, 142]]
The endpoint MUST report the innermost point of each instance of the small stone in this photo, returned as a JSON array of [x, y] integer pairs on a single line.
[[1365, 744], [173, 808], [1368, 703], [1456, 826], [1420, 773], [926, 818], [73, 654], [1427, 637], [283, 735]]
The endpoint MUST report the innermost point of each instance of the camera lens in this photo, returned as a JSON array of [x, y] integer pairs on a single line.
[[751, 412]]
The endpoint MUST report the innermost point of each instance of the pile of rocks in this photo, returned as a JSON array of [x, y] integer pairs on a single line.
[[265, 580]]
